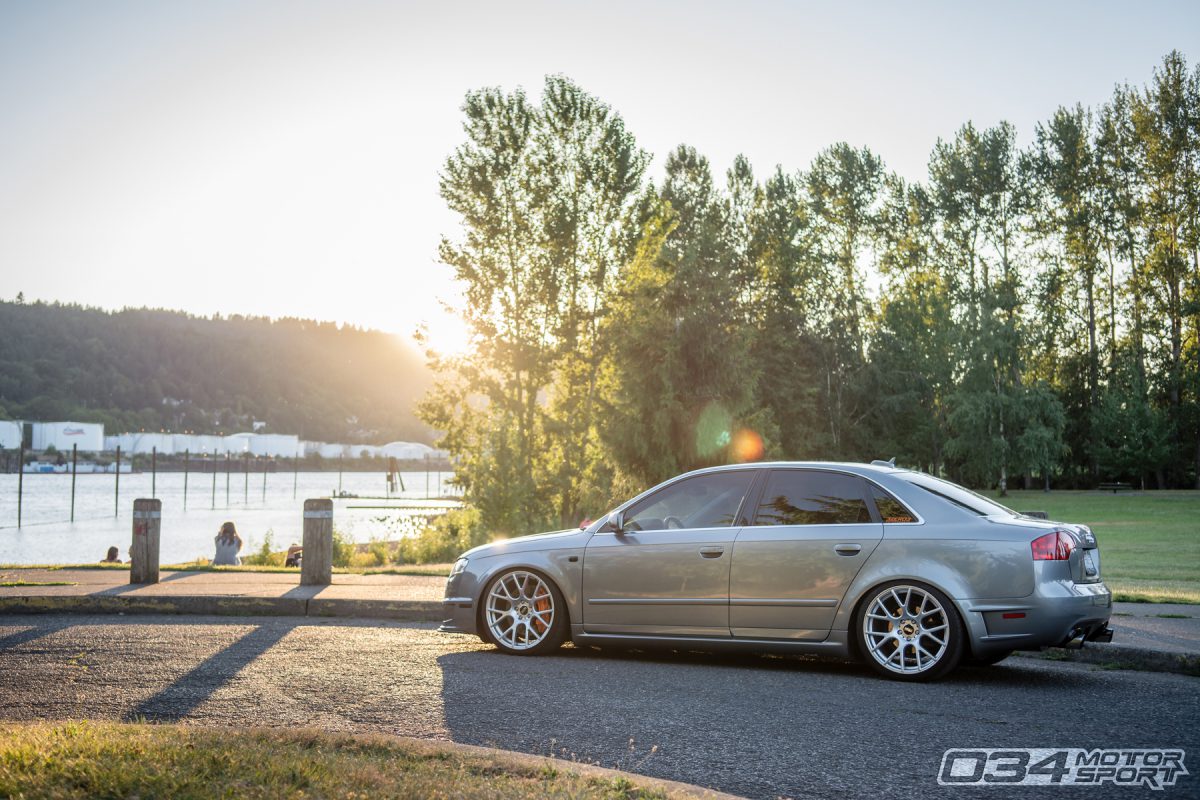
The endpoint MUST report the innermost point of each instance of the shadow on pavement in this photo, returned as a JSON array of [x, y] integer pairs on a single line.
[[36, 632], [190, 690]]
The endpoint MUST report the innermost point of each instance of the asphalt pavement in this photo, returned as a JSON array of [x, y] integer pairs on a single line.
[[752, 725]]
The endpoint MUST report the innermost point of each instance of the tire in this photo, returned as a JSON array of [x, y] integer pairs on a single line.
[[523, 613], [908, 631], [986, 661]]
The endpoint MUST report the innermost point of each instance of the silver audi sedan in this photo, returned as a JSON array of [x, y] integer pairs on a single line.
[[912, 574]]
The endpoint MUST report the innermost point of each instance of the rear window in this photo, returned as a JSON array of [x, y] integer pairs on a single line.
[[957, 495], [800, 497]]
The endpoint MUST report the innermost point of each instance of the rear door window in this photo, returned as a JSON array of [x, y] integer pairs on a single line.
[[809, 497], [891, 509]]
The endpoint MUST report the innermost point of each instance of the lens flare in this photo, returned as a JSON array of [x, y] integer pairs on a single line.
[[713, 430], [747, 446]]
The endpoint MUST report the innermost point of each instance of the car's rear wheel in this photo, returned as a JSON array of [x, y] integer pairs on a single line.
[[909, 632], [523, 613]]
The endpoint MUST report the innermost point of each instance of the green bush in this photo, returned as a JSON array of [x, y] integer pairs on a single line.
[[264, 557], [377, 552], [445, 538], [343, 549]]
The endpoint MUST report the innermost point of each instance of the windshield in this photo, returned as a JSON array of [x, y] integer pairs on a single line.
[[959, 496]]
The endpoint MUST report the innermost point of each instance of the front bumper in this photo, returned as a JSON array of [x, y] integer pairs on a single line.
[[458, 615], [458, 607]]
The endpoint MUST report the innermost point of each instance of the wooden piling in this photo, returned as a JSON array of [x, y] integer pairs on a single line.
[[117, 490], [74, 469], [143, 553], [317, 567], [20, 482]]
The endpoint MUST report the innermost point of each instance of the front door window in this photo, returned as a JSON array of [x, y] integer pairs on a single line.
[[705, 501]]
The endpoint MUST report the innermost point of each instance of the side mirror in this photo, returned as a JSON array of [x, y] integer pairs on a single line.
[[615, 523]]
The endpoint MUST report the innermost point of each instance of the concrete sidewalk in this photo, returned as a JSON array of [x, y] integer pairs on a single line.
[[1145, 635], [403, 597]]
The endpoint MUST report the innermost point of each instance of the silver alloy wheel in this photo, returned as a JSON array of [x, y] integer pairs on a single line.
[[906, 630], [520, 610]]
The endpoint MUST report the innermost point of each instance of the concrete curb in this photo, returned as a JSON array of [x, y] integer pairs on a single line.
[[404, 610], [1116, 656]]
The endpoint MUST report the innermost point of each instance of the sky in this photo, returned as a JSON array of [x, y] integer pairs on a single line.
[[282, 158]]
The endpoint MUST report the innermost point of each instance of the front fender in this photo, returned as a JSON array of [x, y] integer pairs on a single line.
[[563, 567]]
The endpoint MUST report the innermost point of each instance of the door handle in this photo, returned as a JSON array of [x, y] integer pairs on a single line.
[[847, 549], [712, 552]]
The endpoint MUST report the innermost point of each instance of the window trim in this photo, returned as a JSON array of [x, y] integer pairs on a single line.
[[868, 501]]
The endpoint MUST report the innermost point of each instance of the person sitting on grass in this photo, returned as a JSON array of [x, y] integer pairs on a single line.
[[295, 553], [228, 546], [111, 558]]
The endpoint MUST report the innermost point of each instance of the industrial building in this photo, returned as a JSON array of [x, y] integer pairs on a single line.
[[90, 438]]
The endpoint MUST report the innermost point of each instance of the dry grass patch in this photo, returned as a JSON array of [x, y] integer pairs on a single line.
[[93, 759]]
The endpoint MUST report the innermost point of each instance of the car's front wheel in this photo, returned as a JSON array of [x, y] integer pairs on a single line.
[[523, 613], [909, 631]]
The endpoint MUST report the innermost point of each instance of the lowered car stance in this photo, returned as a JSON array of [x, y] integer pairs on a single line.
[[909, 573]]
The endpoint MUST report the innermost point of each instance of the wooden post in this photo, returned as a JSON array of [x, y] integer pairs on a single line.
[[20, 481], [214, 472], [295, 475], [74, 468], [246, 477], [227, 468], [264, 483], [187, 454], [117, 491], [154, 471], [143, 554], [317, 567]]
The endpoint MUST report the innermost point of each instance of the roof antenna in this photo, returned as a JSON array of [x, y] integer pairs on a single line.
[[880, 463]]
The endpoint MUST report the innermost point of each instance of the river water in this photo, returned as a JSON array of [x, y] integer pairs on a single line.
[[47, 536]]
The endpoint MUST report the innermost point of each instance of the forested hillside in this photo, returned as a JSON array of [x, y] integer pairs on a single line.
[[147, 369]]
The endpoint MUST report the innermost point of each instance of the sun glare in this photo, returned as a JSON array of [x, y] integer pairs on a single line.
[[445, 333]]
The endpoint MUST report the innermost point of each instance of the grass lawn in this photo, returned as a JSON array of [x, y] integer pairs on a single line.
[[1149, 541], [92, 759]]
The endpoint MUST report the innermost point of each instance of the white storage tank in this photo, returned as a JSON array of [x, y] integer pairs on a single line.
[[236, 443], [88, 437], [278, 445], [332, 450], [209, 443], [407, 450], [10, 434], [143, 443]]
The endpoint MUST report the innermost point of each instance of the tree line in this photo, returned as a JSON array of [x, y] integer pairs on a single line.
[[148, 369], [1022, 316]]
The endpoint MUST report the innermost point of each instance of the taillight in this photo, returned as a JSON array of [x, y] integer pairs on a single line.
[[1054, 546]]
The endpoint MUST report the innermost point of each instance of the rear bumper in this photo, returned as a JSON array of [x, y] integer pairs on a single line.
[[1059, 613]]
